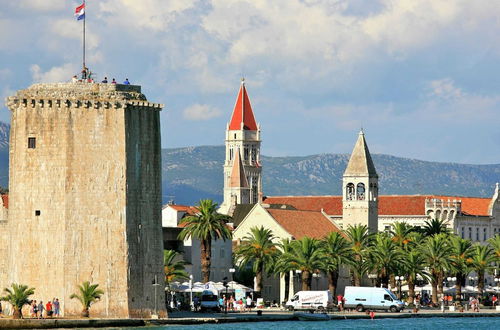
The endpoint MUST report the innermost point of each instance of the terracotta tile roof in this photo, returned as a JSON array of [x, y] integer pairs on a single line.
[[190, 210], [332, 205], [471, 205], [388, 204], [5, 200], [303, 223], [242, 112]]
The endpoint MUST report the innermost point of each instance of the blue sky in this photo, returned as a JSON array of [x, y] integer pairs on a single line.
[[421, 77]]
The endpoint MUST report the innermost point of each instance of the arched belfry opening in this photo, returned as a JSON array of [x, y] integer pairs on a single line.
[[349, 191], [360, 191]]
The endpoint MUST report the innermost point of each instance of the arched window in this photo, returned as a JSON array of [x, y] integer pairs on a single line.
[[360, 192], [349, 192]]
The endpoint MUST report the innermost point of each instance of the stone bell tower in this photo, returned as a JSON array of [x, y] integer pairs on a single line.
[[85, 196], [360, 188], [242, 144]]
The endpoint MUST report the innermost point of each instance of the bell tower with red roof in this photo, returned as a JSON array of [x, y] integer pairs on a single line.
[[242, 155]]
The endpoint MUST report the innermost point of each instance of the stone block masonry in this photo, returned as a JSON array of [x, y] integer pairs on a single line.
[[85, 196]]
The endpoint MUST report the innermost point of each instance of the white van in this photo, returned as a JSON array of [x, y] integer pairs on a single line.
[[320, 300], [209, 301], [362, 298]]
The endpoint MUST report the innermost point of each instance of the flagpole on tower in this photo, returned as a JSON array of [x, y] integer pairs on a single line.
[[84, 35]]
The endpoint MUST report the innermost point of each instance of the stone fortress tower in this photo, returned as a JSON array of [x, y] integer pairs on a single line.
[[242, 169], [85, 196], [360, 188]]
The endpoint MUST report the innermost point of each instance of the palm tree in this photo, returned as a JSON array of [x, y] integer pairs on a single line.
[[337, 251], [305, 254], [89, 294], [436, 254], [173, 269], [206, 225], [460, 261], [18, 296], [494, 242], [384, 257], [413, 267], [259, 249], [434, 227], [283, 268], [482, 260], [402, 234], [360, 240]]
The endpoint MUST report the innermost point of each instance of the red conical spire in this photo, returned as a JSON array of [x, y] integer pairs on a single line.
[[242, 117]]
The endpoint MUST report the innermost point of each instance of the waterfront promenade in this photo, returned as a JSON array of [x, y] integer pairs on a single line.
[[187, 318]]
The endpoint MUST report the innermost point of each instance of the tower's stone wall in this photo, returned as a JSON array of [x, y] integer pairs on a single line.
[[85, 202]]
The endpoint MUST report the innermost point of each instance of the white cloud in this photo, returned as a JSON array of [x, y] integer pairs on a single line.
[[155, 15], [201, 112], [55, 74], [445, 88], [42, 5]]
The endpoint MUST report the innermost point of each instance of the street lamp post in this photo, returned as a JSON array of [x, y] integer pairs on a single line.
[[497, 282], [224, 283], [155, 285], [232, 271], [316, 276], [450, 281], [399, 279], [472, 279], [298, 272], [191, 291], [372, 277]]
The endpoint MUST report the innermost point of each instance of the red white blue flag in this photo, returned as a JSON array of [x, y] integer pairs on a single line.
[[80, 12]]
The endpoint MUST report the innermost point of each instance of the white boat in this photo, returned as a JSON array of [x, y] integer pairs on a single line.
[[312, 316]]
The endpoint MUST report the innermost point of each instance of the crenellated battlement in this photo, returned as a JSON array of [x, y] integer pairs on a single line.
[[80, 95]]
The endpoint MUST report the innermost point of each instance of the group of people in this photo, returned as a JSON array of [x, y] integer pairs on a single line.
[[240, 305], [87, 76], [50, 309], [105, 81]]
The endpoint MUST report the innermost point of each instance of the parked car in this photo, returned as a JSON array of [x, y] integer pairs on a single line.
[[363, 298]]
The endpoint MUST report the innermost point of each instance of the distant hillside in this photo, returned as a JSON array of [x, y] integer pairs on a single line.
[[196, 172], [192, 173]]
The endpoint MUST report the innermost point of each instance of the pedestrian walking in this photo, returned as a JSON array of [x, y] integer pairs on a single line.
[[40, 310], [48, 308], [34, 309], [57, 307]]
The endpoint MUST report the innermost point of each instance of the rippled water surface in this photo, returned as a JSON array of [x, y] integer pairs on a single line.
[[454, 323]]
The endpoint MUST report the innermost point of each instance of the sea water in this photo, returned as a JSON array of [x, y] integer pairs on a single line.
[[440, 323]]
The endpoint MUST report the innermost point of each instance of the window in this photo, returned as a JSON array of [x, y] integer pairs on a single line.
[[31, 143], [484, 234], [255, 192], [387, 228], [231, 154], [37, 213], [477, 234], [245, 153], [463, 232], [360, 192], [387, 297], [470, 233], [349, 192]]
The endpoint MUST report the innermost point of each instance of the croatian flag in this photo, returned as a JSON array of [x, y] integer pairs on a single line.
[[80, 12]]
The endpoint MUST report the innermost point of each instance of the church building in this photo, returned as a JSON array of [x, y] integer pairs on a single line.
[[293, 217]]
